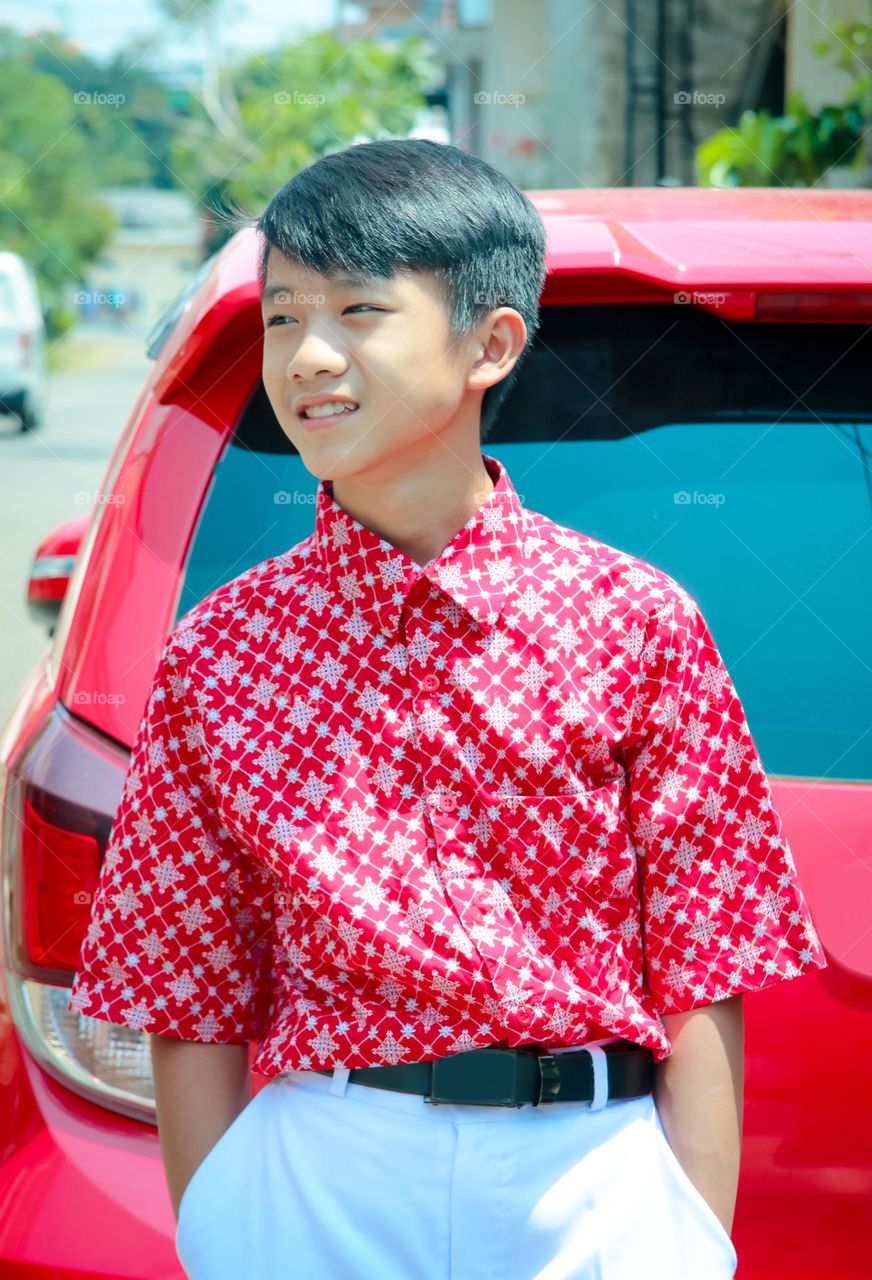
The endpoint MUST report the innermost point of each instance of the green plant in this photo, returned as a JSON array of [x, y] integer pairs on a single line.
[[801, 146]]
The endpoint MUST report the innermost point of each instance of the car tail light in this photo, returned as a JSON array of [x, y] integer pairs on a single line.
[[60, 865], [24, 346], [59, 799], [820, 307]]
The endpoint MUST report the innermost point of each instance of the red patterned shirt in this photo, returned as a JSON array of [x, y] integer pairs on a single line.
[[378, 812]]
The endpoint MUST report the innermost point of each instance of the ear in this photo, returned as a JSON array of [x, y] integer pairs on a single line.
[[503, 336]]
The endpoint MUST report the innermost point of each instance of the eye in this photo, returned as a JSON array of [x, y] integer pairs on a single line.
[[368, 306], [274, 320]]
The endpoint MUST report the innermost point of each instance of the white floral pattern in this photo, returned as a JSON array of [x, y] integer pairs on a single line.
[[378, 812]]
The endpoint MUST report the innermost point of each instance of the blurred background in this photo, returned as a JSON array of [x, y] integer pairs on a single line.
[[126, 131]]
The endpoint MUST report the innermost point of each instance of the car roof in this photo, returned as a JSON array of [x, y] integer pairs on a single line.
[[705, 236]]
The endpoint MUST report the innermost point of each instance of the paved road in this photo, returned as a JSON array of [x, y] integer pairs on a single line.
[[44, 475]]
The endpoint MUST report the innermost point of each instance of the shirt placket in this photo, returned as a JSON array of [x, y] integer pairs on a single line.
[[443, 794]]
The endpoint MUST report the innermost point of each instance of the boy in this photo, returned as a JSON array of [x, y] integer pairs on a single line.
[[453, 809]]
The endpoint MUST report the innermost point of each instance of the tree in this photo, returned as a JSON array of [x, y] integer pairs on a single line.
[[48, 177], [260, 120], [71, 126]]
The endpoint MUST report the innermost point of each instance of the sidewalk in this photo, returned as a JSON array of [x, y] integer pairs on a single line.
[[90, 348]]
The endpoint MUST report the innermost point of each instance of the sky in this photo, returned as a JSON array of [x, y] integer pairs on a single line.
[[101, 26]]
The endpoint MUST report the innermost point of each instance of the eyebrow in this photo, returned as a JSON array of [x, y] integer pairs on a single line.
[[348, 280]]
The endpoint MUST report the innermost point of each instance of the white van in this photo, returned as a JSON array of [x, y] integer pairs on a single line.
[[22, 337]]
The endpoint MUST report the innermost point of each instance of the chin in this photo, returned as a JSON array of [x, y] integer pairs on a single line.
[[370, 453], [327, 460]]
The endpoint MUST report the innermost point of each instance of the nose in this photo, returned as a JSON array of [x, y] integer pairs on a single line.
[[318, 353]]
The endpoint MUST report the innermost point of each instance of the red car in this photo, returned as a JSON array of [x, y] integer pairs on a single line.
[[698, 395]]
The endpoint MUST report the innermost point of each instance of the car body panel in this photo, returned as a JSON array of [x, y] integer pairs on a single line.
[[115, 635]]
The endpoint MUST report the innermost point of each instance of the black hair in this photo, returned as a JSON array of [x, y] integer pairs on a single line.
[[401, 204]]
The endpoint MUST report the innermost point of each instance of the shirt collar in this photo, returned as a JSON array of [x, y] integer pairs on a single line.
[[476, 569]]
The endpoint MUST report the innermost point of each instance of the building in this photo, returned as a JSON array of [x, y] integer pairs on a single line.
[[155, 248], [563, 93]]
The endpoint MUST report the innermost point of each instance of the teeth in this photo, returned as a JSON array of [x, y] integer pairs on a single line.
[[325, 410]]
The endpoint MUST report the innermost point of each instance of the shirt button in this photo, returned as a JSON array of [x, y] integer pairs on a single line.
[[447, 802], [430, 682]]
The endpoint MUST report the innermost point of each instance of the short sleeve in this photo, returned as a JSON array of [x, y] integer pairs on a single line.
[[722, 908], [179, 940]]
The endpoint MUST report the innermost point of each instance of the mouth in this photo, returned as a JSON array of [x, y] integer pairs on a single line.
[[325, 415]]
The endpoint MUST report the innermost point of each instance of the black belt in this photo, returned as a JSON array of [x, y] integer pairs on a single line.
[[511, 1077]]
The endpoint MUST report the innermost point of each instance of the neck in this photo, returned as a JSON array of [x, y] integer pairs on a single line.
[[418, 510]]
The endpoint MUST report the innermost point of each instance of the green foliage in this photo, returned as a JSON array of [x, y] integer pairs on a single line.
[[71, 126], [801, 146], [127, 116], [795, 149], [296, 104], [48, 213]]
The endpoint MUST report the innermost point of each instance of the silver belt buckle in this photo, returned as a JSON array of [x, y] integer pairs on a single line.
[[549, 1076]]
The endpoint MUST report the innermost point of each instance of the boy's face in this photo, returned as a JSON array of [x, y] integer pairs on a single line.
[[385, 346]]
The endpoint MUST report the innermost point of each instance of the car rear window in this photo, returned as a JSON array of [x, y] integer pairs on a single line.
[[736, 457]]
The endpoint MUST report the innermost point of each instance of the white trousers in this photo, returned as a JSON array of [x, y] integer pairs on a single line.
[[321, 1179]]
